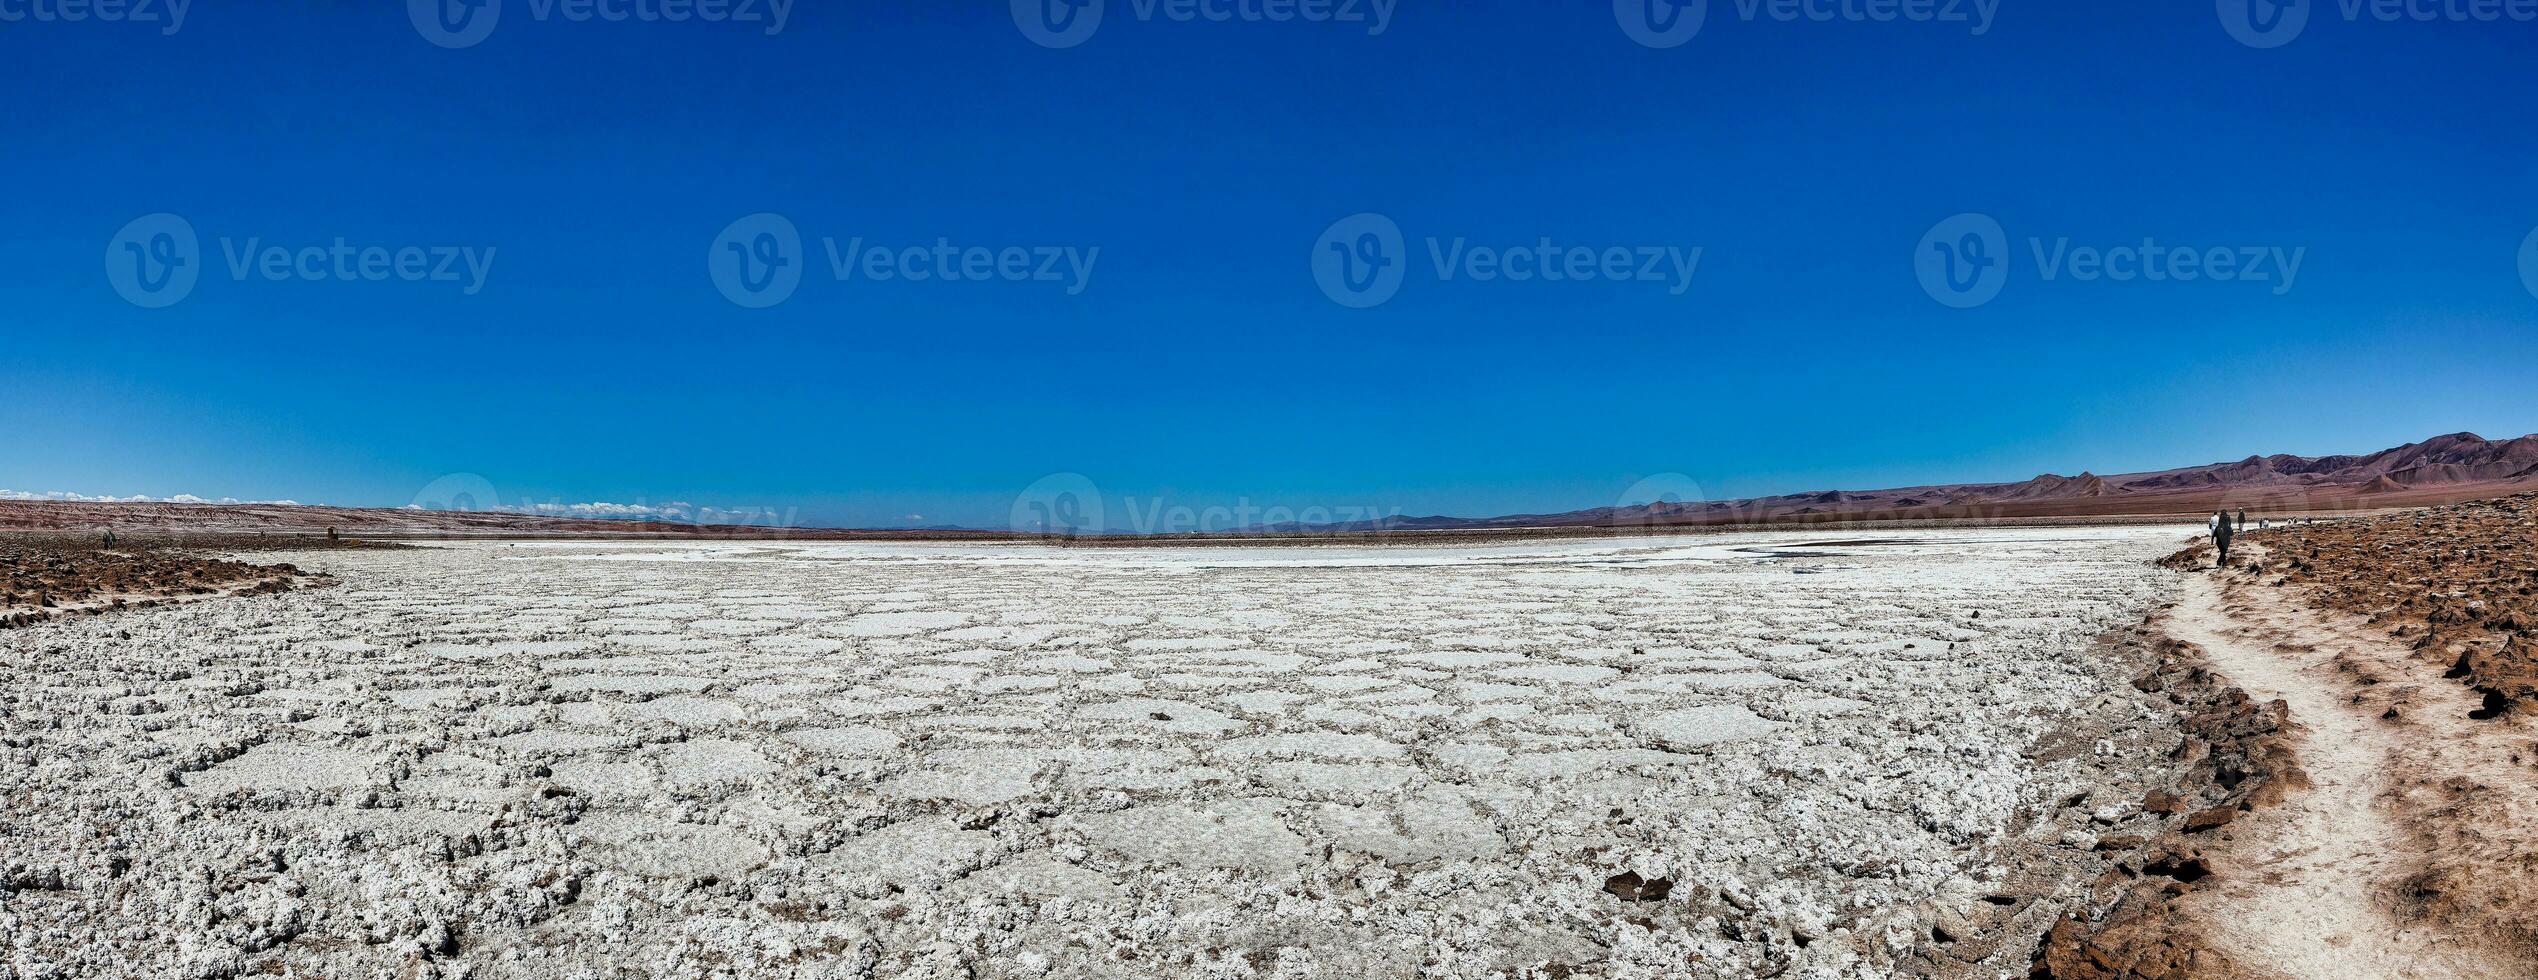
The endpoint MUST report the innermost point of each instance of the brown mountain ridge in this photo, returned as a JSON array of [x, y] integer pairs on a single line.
[[2443, 469]]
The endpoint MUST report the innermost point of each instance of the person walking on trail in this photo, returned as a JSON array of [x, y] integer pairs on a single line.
[[2221, 533]]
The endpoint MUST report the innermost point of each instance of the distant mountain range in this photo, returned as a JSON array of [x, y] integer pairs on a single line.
[[2446, 469]]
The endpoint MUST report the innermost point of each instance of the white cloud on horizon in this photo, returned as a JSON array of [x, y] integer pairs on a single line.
[[676, 510], [64, 496], [607, 510], [594, 509]]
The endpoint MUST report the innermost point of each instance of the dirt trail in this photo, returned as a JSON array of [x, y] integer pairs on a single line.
[[2314, 893]]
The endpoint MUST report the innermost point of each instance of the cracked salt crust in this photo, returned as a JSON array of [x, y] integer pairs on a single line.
[[908, 760]]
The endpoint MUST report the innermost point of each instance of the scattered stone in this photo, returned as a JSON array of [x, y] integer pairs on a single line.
[[1630, 887], [2202, 820]]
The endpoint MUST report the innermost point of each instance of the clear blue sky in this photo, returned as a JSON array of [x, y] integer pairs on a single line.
[[1202, 362]]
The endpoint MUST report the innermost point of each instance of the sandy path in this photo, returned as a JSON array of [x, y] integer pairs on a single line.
[[2308, 904]]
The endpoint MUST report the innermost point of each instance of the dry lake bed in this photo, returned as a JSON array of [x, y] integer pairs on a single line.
[[1728, 755]]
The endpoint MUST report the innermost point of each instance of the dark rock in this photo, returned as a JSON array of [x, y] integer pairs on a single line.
[[1629, 887], [2202, 820]]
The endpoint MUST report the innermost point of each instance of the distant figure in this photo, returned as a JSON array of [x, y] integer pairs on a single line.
[[2221, 533], [2242, 518], [110, 541], [332, 537]]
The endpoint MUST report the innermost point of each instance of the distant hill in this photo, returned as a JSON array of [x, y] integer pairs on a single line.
[[2444, 469], [303, 520]]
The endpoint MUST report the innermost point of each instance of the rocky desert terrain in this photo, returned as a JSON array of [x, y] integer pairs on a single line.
[[44, 576], [2382, 825], [2428, 621], [2457, 584]]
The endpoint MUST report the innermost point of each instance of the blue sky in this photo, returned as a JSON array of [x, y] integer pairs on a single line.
[[592, 166]]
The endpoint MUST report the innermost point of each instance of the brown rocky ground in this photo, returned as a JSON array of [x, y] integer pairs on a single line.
[[2457, 587], [2395, 656], [2458, 584], [42, 577], [2234, 758]]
